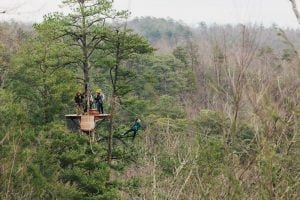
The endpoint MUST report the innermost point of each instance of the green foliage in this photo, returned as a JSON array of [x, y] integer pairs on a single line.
[[246, 134], [39, 78], [167, 164], [4, 60], [67, 159], [246, 147], [168, 106], [169, 158], [210, 122], [120, 47], [154, 29], [12, 113], [211, 154], [181, 54], [161, 75]]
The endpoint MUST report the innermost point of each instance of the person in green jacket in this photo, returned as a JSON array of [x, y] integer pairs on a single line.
[[134, 128]]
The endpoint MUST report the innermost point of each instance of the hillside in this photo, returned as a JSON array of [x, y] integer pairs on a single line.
[[218, 104], [165, 34]]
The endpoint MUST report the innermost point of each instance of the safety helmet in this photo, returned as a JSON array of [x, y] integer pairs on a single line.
[[98, 91]]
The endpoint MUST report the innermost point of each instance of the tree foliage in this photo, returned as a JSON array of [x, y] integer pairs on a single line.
[[219, 109]]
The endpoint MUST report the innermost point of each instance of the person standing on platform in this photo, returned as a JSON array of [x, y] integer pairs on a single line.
[[99, 99], [91, 102], [79, 102]]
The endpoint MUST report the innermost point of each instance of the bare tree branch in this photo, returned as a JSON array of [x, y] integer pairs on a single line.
[[295, 9]]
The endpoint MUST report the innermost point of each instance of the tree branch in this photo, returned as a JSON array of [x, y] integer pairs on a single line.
[[295, 9]]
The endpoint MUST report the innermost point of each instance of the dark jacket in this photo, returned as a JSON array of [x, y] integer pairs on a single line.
[[137, 125], [99, 98], [78, 99]]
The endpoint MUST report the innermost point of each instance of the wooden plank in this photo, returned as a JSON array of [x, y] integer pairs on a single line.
[[73, 116], [87, 123], [102, 116]]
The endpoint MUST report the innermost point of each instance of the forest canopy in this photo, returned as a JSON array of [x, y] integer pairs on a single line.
[[218, 104]]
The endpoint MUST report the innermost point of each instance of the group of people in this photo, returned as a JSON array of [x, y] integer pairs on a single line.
[[82, 104]]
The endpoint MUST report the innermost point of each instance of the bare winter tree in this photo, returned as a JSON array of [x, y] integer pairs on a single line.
[[286, 39], [295, 9]]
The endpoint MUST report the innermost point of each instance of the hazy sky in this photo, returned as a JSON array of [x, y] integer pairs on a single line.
[[190, 11]]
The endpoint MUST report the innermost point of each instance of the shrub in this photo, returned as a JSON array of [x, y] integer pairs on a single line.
[[210, 122]]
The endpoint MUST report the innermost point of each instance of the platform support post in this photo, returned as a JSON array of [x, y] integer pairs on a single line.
[[93, 136]]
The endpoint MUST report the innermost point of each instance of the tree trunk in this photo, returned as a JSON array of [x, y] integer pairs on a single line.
[[85, 51], [114, 79], [111, 129], [86, 78], [295, 9]]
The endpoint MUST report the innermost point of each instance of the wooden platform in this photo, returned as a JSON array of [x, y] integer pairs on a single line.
[[87, 123], [88, 120], [97, 117]]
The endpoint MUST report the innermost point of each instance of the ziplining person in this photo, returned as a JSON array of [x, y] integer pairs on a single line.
[[134, 128]]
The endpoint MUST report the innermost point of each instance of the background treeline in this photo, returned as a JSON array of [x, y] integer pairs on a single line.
[[219, 106]]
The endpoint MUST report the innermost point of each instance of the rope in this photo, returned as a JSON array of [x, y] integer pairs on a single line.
[[123, 107], [91, 146], [174, 126], [163, 123]]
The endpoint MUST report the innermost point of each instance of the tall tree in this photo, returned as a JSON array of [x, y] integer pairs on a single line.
[[40, 77], [4, 59], [121, 46], [85, 29]]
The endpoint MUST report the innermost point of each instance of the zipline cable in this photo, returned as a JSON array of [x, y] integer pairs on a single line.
[[160, 122], [123, 107]]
